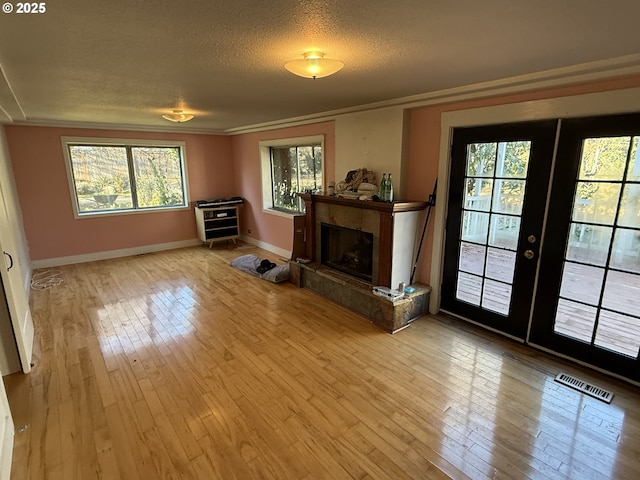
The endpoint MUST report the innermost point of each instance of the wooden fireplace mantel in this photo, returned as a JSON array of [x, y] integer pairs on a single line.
[[385, 207], [386, 212]]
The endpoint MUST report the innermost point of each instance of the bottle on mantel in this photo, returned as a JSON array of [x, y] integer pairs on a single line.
[[389, 194], [383, 188]]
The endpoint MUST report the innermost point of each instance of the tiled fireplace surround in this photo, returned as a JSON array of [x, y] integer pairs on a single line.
[[394, 229]]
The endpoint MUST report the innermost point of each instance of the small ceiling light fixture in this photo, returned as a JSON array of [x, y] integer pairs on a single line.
[[178, 116], [314, 65]]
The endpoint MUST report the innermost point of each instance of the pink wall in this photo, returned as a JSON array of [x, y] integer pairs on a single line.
[[43, 190], [217, 166], [424, 143], [269, 228]]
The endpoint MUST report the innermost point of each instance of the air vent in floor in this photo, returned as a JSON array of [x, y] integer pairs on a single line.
[[584, 387]]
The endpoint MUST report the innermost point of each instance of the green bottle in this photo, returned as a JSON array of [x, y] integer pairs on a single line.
[[389, 189], [383, 188]]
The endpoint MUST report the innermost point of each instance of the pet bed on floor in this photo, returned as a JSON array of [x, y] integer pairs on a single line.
[[261, 268]]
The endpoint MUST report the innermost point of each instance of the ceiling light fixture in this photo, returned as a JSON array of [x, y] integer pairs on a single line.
[[314, 65], [178, 116]]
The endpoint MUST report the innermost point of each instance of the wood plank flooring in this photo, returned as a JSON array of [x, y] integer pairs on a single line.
[[174, 365]]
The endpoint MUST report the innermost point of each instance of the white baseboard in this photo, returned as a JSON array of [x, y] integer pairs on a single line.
[[128, 252], [125, 252], [267, 246]]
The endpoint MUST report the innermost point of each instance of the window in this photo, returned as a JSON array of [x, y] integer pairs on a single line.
[[109, 176], [289, 167]]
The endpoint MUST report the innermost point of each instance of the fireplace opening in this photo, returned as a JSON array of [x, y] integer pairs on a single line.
[[347, 250]]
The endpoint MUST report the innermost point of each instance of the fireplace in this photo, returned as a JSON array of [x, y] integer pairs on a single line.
[[390, 230], [374, 242], [347, 250]]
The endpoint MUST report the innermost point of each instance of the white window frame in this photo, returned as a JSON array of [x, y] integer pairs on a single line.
[[122, 142], [265, 168]]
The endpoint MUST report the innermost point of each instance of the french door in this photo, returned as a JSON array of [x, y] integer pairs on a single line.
[[588, 298], [497, 194], [585, 272]]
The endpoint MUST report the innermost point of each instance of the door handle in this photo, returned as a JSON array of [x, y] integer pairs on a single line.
[[10, 259]]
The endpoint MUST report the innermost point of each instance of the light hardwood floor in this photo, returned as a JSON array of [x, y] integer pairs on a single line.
[[175, 365]]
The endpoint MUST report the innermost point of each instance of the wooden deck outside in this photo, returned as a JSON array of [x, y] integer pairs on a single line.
[[620, 333]]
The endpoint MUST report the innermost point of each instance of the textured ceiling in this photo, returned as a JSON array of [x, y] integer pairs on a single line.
[[125, 62]]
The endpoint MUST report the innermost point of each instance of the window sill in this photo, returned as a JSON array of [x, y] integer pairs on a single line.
[[281, 213], [132, 211]]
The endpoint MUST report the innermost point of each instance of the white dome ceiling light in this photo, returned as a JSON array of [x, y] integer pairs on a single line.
[[314, 65], [178, 116]]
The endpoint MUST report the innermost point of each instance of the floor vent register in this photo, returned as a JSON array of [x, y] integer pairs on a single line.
[[584, 387]]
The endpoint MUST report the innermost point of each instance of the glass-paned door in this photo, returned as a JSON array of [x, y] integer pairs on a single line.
[[588, 301], [497, 194]]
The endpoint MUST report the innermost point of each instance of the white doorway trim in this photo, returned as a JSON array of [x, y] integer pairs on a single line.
[[592, 104]]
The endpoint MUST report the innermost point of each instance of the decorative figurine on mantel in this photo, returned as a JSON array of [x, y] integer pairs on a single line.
[[360, 183]]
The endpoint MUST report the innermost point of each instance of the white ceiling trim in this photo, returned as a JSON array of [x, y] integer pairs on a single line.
[[582, 73], [8, 97], [120, 126], [576, 74]]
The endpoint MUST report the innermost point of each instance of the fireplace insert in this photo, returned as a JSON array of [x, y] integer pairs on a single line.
[[347, 250]]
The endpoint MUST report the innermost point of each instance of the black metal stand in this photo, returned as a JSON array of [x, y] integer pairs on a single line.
[[431, 203]]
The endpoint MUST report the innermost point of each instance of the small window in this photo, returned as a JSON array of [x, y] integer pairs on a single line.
[[290, 167], [108, 178]]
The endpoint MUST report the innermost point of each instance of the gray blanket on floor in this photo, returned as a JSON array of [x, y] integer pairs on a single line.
[[250, 263]]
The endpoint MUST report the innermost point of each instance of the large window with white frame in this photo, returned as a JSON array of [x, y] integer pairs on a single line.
[[113, 176], [290, 166]]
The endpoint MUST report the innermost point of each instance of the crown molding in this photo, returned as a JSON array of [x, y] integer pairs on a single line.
[[118, 126], [576, 74], [10, 108]]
